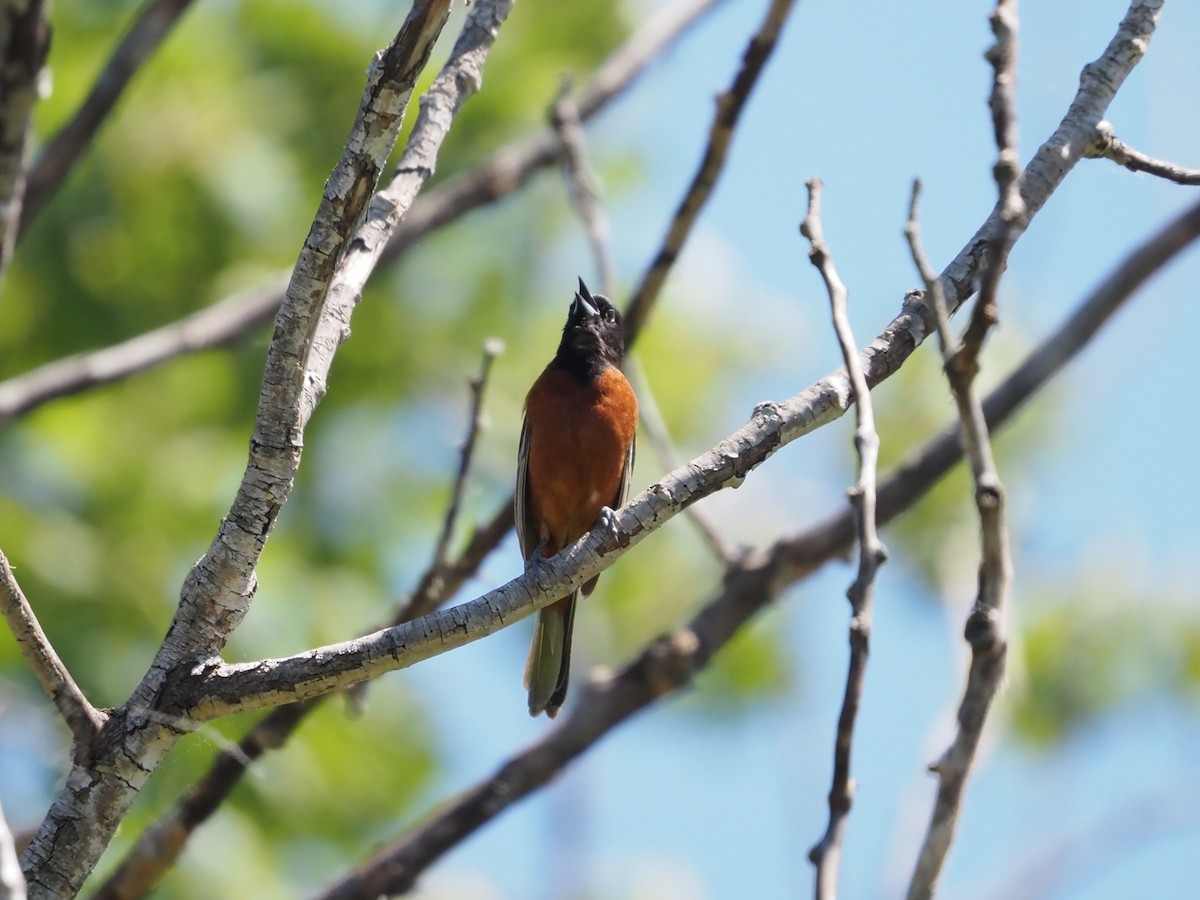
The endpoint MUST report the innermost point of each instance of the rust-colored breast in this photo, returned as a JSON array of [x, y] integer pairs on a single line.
[[579, 439]]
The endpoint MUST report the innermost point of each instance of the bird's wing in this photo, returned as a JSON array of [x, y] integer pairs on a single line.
[[527, 530], [626, 474]]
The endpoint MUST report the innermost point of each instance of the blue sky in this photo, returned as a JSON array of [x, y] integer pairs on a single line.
[[867, 96]]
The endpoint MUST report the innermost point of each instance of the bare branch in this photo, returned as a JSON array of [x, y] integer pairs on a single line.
[[215, 326], [308, 329], [492, 348], [826, 854], [102, 795], [496, 177], [217, 592], [148, 31], [24, 40], [1007, 171], [84, 720], [729, 109], [1106, 145], [162, 843], [771, 426], [583, 184], [749, 585], [985, 628]]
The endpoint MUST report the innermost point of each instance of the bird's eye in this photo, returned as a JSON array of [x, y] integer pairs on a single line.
[[610, 314]]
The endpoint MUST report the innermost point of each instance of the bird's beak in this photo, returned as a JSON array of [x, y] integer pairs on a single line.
[[583, 302]]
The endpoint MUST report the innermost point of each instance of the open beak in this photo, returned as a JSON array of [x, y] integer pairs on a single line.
[[583, 302]]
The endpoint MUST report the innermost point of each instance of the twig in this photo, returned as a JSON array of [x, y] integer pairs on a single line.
[[655, 428], [24, 40], [215, 326], [492, 348], [749, 585], [440, 563], [826, 854], [496, 177], [1106, 145], [729, 109], [12, 882], [1003, 57], [985, 627], [81, 717], [583, 184], [66, 147]]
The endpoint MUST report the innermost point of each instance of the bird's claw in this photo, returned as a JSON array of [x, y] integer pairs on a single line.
[[536, 562], [608, 521]]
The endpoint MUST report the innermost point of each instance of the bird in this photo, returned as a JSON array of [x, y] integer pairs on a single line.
[[578, 441]]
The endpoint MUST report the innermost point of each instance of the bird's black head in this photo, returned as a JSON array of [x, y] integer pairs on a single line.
[[593, 337]]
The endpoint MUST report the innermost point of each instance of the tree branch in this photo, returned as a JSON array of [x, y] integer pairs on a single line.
[[162, 843], [1106, 145], [218, 325], [24, 40], [729, 109], [502, 173], [826, 854], [985, 628], [100, 794], [749, 585], [66, 147], [310, 325], [771, 426], [217, 592], [921, 469], [81, 717], [492, 348]]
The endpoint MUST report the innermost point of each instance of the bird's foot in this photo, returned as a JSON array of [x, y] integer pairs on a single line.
[[608, 521], [536, 562]]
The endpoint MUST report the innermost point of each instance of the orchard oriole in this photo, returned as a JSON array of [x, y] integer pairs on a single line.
[[577, 447]]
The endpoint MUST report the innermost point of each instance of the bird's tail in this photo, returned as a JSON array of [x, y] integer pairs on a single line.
[[549, 662]]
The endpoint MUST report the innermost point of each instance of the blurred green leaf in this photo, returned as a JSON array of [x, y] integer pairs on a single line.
[[1089, 650]]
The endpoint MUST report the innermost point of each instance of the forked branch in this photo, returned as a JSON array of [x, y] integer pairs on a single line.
[[985, 626], [826, 854]]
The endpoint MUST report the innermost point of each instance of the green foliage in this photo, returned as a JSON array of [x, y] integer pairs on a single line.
[[756, 664], [1097, 646]]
